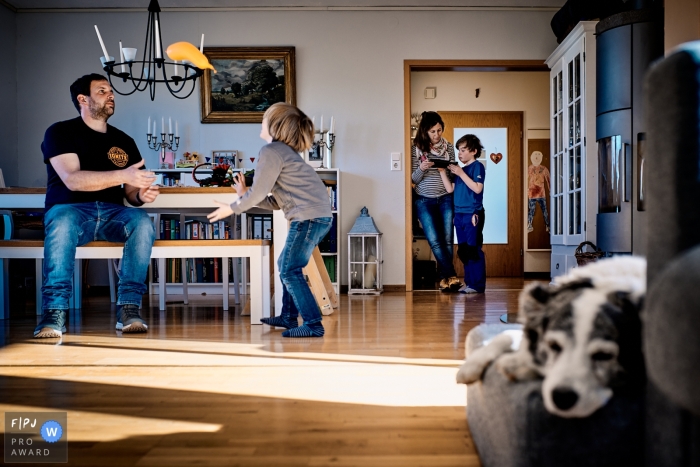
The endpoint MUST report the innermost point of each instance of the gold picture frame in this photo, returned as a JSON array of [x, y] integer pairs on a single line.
[[248, 81]]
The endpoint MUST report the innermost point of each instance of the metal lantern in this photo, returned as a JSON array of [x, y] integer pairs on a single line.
[[365, 256]]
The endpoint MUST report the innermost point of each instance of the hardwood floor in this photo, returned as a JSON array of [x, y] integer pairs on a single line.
[[204, 387]]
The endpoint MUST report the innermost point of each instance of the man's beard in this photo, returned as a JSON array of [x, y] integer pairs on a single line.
[[100, 113]]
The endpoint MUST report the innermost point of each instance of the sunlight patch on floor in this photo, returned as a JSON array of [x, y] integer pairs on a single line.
[[101, 351], [240, 369]]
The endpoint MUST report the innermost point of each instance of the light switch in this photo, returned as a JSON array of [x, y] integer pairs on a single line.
[[395, 156]]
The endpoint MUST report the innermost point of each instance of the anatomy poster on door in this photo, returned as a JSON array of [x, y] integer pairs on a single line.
[[538, 184]]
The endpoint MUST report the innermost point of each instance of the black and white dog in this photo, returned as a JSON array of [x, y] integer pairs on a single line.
[[582, 334]]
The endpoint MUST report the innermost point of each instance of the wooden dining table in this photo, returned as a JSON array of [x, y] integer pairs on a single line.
[[171, 199]]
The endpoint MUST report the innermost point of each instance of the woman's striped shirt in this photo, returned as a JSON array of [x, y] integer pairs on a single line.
[[429, 183]]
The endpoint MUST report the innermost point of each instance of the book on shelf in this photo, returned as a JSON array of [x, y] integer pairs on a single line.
[[333, 196], [195, 230], [260, 226], [199, 264], [330, 263], [329, 243]]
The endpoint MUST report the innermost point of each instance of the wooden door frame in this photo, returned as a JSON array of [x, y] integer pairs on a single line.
[[443, 65]]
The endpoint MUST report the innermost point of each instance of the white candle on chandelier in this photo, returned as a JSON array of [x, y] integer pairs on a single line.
[[154, 126], [321, 127], [157, 40], [177, 132], [104, 49], [175, 68], [332, 129], [170, 125], [162, 125], [201, 45], [121, 55], [148, 128], [313, 123]]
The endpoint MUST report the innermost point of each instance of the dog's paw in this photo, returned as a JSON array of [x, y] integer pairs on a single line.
[[477, 362], [517, 366], [470, 372]]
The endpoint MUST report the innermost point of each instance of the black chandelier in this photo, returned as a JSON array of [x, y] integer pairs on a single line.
[[153, 66]]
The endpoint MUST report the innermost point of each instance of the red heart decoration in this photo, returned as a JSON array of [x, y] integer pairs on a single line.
[[496, 158]]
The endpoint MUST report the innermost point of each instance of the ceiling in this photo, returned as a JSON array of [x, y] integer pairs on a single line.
[[28, 5]]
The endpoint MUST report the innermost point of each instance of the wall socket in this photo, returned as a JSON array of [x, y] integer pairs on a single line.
[[395, 161]]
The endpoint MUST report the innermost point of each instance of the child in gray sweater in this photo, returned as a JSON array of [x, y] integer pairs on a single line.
[[302, 196]]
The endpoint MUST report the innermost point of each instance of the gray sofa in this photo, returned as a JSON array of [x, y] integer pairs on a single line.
[[511, 428], [671, 334], [660, 428]]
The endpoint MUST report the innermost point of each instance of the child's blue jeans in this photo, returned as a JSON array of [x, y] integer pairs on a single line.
[[470, 239], [302, 238]]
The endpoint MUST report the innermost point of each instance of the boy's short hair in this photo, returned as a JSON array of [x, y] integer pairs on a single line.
[[82, 86], [472, 142], [288, 124]]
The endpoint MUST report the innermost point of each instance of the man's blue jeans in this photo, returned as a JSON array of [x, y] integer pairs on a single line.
[[436, 215], [297, 298], [68, 226]]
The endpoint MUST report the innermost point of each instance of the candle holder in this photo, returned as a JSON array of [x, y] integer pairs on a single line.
[[163, 146], [325, 146]]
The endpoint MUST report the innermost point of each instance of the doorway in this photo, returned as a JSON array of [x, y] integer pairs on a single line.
[[503, 246], [504, 258]]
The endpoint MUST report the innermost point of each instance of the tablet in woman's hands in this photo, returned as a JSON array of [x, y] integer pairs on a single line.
[[441, 163]]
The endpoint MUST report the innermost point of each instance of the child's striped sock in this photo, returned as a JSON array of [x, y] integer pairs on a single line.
[[280, 322], [315, 330]]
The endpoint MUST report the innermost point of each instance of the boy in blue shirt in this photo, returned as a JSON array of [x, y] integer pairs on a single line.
[[468, 188]]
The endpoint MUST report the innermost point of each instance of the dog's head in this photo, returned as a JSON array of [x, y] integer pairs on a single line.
[[585, 339]]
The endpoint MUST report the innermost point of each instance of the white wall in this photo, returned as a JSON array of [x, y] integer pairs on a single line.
[[8, 96], [349, 64], [526, 92]]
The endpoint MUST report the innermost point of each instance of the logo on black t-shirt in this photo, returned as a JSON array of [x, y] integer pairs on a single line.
[[118, 156]]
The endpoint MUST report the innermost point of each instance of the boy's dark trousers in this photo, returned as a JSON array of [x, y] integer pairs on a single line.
[[470, 239]]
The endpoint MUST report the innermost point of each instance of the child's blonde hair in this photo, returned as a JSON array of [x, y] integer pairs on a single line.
[[288, 124]]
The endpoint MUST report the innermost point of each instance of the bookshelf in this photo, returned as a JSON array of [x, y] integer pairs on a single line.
[[280, 227], [330, 245], [331, 254], [202, 275]]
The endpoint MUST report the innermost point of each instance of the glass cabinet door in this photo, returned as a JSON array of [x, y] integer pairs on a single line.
[[575, 219], [557, 188], [568, 148]]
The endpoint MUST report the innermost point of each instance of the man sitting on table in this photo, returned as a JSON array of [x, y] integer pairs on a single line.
[[92, 167]]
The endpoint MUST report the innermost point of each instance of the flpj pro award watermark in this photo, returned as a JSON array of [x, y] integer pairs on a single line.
[[36, 437]]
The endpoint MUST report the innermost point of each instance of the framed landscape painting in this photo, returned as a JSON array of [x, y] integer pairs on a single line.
[[247, 81]]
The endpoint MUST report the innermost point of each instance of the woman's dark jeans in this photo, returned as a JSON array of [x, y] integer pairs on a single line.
[[436, 215]]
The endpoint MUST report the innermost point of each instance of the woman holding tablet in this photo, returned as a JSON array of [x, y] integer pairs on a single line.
[[434, 205]]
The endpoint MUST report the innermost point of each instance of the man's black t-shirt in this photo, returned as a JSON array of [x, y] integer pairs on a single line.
[[98, 152]]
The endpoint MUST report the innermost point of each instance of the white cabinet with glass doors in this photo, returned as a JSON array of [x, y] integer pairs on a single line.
[[573, 162]]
